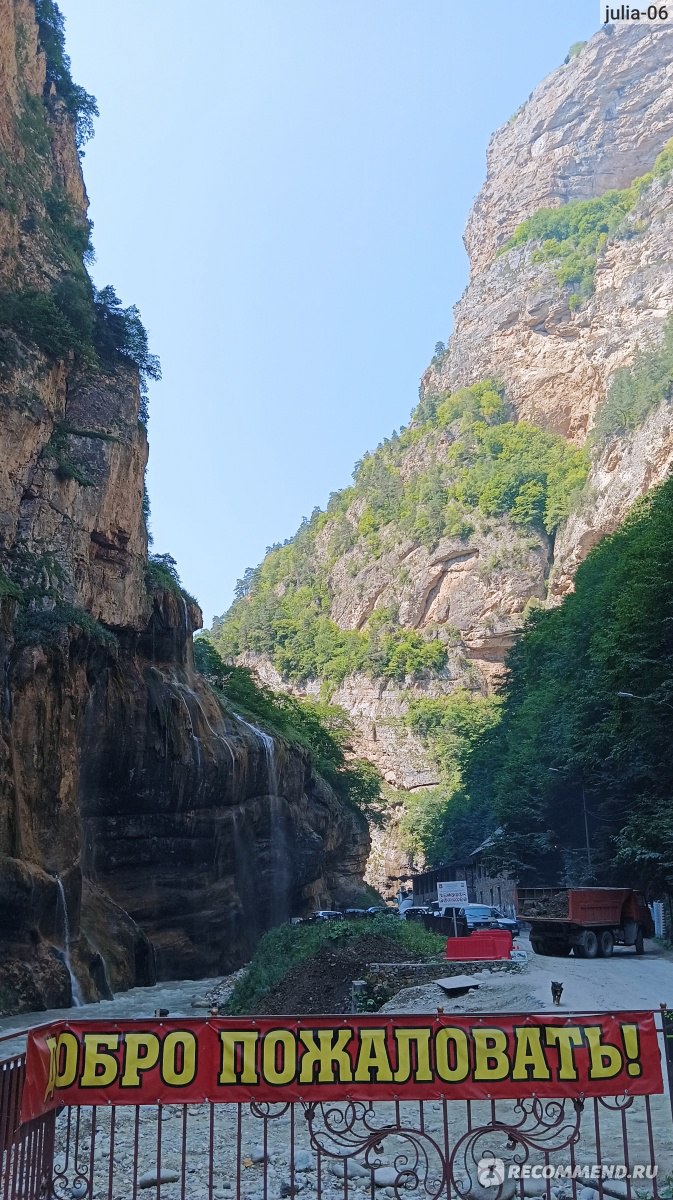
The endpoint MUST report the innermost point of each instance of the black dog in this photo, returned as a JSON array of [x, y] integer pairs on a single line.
[[556, 992]]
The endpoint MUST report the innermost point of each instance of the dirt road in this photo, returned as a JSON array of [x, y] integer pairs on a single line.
[[624, 981]]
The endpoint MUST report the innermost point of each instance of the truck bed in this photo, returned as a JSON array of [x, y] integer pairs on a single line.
[[575, 906]]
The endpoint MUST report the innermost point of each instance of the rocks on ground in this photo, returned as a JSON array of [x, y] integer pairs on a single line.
[[218, 995]]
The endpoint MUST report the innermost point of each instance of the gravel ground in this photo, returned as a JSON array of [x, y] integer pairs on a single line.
[[623, 981], [199, 1144]]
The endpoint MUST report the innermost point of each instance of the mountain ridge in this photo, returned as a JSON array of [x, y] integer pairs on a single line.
[[549, 326]]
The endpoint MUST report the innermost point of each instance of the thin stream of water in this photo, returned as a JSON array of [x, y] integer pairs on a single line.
[[62, 911], [278, 834]]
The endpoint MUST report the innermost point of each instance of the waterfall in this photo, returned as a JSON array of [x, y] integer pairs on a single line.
[[278, 835], [62, 913], [185, 618], [169, 680], [220, 737], [269, 745], [196, 742]]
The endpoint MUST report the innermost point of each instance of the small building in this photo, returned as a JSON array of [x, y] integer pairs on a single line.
[[482, 887], [425, 884], [498, 890]]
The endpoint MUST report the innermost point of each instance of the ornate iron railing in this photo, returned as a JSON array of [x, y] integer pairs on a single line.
[[337, 1150]]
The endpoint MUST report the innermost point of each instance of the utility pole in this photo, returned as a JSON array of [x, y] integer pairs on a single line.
[[586, 832]]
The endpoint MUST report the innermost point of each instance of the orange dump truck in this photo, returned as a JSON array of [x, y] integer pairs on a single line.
[[589, 921]]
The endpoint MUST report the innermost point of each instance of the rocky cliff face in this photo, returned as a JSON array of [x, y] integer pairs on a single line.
[[143, 829], [595, 124]]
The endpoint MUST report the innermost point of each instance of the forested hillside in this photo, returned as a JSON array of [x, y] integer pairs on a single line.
[[540, 423], [462, 462], [585, 719]]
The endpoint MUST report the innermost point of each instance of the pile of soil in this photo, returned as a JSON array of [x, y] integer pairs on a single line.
[[322, 984], [551, 905]]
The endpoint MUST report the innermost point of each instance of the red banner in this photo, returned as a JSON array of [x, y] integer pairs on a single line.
[[340, 1058]]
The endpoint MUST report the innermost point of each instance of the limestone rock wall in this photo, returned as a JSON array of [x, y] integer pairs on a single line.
[[145, 830], [597, 122]]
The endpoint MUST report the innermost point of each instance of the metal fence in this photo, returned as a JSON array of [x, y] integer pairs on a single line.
[[336, 1150], [26, 1151]]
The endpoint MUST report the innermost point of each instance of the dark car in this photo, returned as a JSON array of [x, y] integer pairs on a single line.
[[503, 922], [385, 910], [414, 912], [484, 916]]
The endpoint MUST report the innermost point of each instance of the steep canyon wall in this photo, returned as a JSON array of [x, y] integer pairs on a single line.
[[145, 830], [597, 123]]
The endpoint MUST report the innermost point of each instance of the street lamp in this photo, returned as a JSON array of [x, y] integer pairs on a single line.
[[559, 771]]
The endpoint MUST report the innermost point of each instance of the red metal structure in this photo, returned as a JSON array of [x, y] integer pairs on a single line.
[[482, 944], [26, 1150]]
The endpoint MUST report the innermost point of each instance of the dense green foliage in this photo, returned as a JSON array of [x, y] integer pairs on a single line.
[[323, 729], [636, 390], [118, 333], [282, 948], [76, 317], [439, 822], [38, 317], [45, 627], [567, 737], [81, 106], [161, 575], [473, 463], [574, 234], [9, 589]]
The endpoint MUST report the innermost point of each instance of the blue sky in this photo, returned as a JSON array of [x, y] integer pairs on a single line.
[[281, 186]]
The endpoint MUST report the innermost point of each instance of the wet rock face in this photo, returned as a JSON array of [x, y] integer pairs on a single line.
[[200, 831], [131, 806], [179, 833]]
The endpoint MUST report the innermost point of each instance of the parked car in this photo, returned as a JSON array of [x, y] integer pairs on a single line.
[[327, 914], [386, 910], [355, 912], [484, 916], [504, 922], [414, 912]]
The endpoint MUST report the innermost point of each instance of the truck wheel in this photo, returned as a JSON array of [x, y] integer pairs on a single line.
[[640, 942], [536, 945], [590, 946], [606, 944]]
